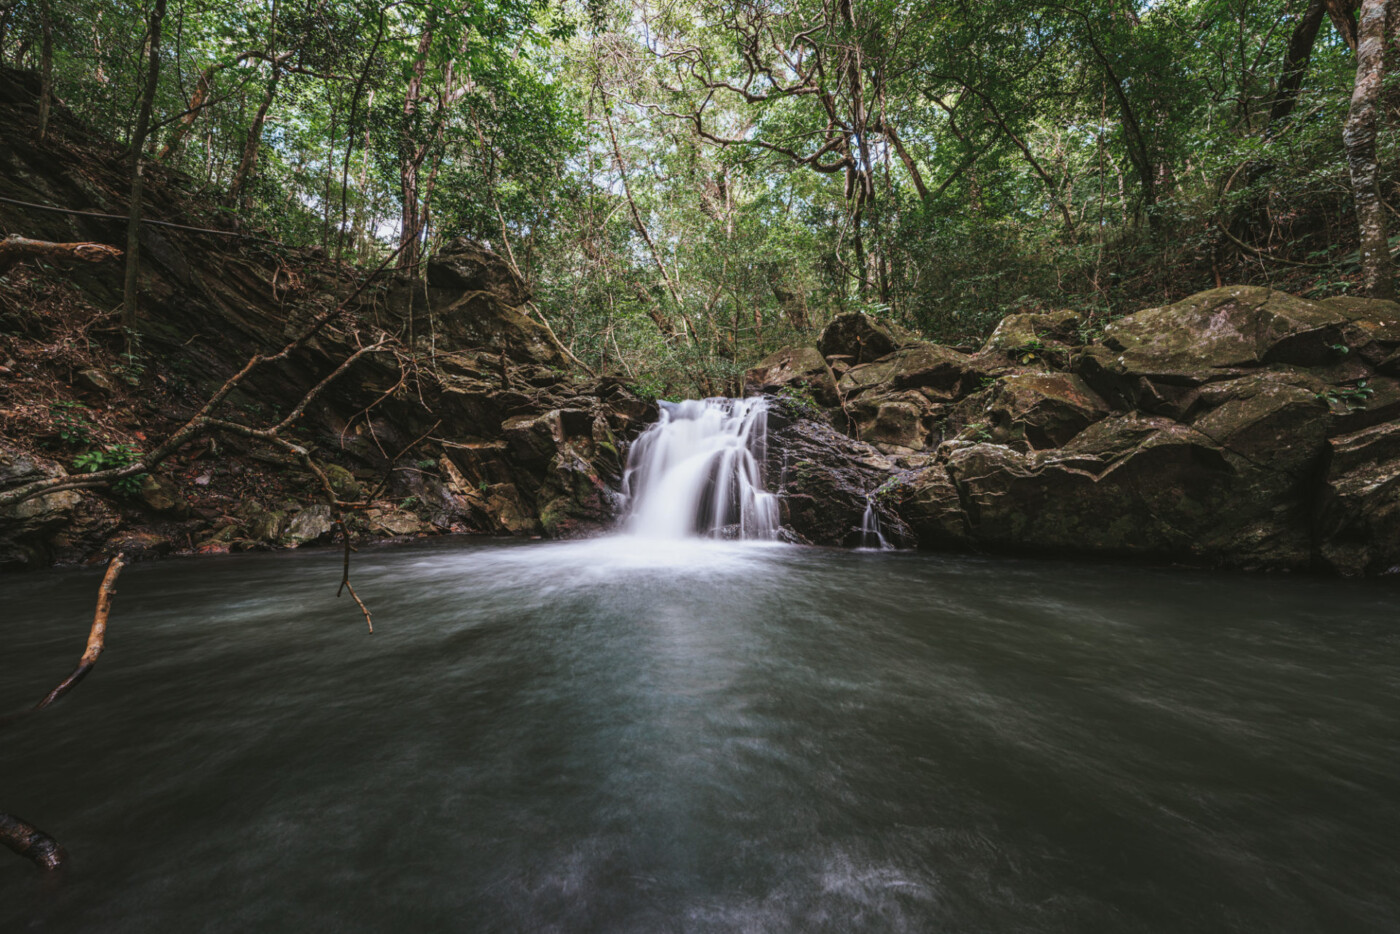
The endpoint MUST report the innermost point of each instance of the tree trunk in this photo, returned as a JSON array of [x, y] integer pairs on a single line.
[[15, 248], [138, 146], [45, 68], [1378, 273], [411, 154], [1343, 16], [182, 129], [254, 141], [1295, 64]]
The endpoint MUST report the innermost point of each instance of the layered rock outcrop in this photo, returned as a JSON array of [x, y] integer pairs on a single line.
[[470, 418], [1241, 427]]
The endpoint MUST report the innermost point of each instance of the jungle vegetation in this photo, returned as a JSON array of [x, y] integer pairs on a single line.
[[687, 185]]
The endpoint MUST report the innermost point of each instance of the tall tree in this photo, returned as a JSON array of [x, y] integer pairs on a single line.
[[1378, 272], [138, 148]]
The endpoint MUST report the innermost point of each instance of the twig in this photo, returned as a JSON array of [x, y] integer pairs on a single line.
[[345, 575], [15, 832], [96, 636]]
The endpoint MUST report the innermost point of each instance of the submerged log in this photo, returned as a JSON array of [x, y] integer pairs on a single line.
[[32, 843]]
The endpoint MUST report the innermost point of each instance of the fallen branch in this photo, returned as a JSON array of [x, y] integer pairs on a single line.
[[345, 575], [15, 832], [14, 249], [97, 636]]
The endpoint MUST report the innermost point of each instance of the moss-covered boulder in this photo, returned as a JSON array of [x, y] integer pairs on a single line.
[[802, 369], [858, 338], [1042, 410], [941, 372], [1034, 339], [1217, 335]]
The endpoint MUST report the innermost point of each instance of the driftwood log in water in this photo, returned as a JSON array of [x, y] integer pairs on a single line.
[[16, 833], [32, 843]]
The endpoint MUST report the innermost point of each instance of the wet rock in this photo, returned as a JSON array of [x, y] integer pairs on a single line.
[[931, 504], [576, 501], [1358, 522], [824, 479], [1150, 486]]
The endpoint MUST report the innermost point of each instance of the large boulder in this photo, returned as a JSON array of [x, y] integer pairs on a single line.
[[1214, 335], [794, 369], [895, 421], [1043, 410], [1231, 488], [855, 337], [942, 373], [930, 503], [463, 265], [1042, 338]]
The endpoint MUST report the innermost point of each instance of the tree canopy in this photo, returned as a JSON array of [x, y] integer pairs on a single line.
[[688, 184]]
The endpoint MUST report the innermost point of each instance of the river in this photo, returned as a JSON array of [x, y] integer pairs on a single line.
[[625, 735]]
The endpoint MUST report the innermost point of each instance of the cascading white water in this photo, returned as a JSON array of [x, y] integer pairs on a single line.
[[871, 537], [698, 471]]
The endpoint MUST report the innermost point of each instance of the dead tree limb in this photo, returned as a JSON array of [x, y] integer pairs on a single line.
[[97, 636], [345, 575], [14, 249], [15, 832]]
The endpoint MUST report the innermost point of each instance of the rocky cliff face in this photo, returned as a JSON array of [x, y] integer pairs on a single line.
[[469, 419], [1241, 427]]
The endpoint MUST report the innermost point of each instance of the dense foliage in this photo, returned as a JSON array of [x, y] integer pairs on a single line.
[[686, 184]]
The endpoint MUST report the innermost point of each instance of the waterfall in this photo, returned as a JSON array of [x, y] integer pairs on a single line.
[[698, 471], [870, 534]]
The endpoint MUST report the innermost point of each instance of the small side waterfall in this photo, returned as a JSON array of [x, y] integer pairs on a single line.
[[698, 471], [870, 535]]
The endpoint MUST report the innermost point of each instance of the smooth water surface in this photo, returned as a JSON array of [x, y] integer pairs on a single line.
[[640, 736]]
